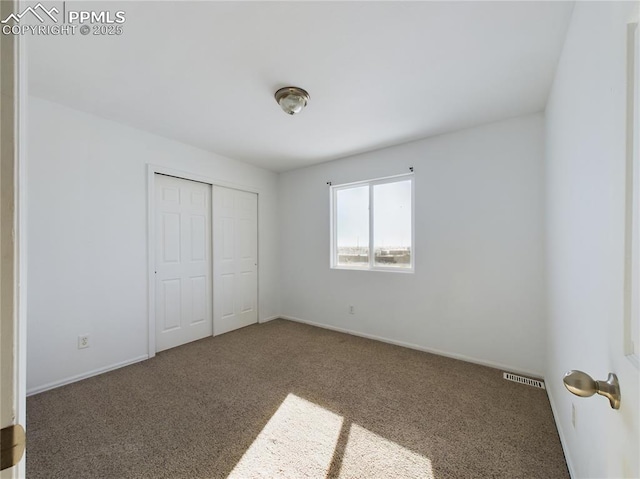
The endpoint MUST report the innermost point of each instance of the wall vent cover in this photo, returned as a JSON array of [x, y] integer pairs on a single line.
[[536, 383]]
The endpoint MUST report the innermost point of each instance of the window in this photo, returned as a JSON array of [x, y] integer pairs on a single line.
[[372, 225]]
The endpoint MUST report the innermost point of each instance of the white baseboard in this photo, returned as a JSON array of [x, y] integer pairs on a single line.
[[80, 377], [270, 318], [461, 357], [563, 440]]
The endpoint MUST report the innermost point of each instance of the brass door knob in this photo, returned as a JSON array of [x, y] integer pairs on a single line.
[[583, 385], [12, 442]]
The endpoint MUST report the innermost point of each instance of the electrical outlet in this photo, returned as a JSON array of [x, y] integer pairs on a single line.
[[83, 341], [573, 415], [351, 310]]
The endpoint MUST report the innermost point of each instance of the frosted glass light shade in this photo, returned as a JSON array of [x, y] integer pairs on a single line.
[[292, 99]]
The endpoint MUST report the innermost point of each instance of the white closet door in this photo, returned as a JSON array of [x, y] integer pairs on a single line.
[[183, 261], [235, 259]]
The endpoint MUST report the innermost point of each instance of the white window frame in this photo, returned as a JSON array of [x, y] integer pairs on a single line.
[[334, 233]]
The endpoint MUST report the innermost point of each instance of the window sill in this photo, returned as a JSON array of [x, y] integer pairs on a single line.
[[378, 269]]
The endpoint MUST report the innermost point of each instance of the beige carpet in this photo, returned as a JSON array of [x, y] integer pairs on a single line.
[[293, 401]]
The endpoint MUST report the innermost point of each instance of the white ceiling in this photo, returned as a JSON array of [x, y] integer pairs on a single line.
[[379, 73]]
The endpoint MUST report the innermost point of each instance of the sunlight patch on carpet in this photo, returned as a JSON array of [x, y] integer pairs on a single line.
[[369, 455], [298, 442]]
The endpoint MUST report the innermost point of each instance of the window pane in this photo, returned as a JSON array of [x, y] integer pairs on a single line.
[[392, 224], [352, 226]]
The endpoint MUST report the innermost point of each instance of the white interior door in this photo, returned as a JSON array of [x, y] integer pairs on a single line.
[[235, 259], [183, 261], [12, 252]]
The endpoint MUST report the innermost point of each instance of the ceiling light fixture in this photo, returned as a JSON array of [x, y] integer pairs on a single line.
[[292, 99]]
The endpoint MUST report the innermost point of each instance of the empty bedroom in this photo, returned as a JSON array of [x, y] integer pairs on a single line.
[[320, 239]]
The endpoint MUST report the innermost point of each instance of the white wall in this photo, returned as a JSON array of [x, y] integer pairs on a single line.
[[585, 169], [477, 291], [87, 231]]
